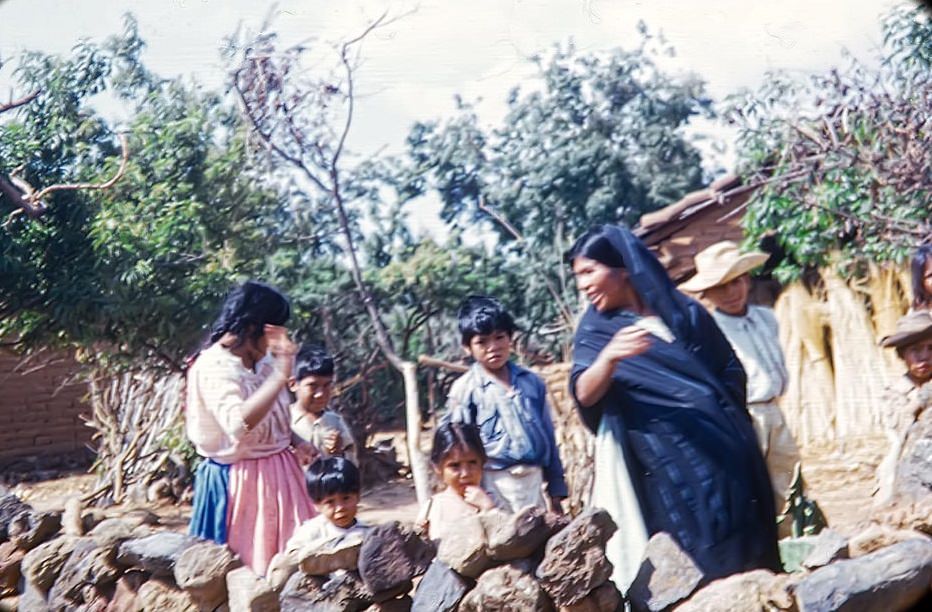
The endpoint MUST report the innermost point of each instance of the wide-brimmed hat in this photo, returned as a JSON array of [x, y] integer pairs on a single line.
[[720, 263], [910, 329]]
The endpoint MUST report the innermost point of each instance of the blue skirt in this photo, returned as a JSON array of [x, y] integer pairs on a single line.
[[209, 514]]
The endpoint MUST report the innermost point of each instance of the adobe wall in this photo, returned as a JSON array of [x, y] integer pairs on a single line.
[[40, 415]]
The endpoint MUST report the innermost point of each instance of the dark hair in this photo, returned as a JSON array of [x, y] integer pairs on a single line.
[[480, 314], [248, 308], [594, 244], [313, 360], [450, 436], [923, 255], [331, 476]]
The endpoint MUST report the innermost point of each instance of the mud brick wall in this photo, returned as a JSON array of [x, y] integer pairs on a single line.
[[39, 414], [575, 442]]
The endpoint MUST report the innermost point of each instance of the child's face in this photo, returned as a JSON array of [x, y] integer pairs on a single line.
[[313, 392], [490, 350], [461, 468], [340, 508], [927, 278], [918, 358]]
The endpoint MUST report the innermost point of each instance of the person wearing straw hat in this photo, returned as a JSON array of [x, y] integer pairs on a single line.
[[723, 280], [906, 468]]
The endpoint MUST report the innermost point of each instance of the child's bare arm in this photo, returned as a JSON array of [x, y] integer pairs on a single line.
[[475, 496]]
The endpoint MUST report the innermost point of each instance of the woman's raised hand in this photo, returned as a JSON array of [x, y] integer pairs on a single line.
[[627, 342], [281, 347]]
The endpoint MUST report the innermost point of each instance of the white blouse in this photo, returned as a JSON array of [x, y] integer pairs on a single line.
[[218, 385]]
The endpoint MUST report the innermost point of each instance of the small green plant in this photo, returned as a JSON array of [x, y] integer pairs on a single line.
[[805, 514]]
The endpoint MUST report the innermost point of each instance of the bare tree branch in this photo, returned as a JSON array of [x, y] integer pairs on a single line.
[[32, 202], [21, 102], [561, 304]]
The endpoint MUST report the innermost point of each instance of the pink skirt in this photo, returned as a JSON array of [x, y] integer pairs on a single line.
[[267, 501]]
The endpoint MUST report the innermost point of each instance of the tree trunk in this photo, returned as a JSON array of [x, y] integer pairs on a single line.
[[419, 471]]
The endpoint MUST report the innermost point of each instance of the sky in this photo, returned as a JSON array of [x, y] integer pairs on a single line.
[[412, 68]]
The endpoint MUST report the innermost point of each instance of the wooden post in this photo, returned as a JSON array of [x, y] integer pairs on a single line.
[[419, 471]]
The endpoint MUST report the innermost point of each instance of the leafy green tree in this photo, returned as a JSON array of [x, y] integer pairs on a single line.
[[135, 270], [842, 160], [597, 139]]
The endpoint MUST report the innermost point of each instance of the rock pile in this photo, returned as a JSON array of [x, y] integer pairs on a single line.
[[884, 569], [527, 561], [498, 562]]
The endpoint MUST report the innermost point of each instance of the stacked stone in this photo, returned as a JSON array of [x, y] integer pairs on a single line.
[[530, 560], [80, 560], [576, 443], [882, 569]]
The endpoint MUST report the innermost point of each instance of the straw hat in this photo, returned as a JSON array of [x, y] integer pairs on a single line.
[[910, 329], [720, 263]]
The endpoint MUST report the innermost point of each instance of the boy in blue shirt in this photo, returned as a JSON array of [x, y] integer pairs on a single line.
[[509, 405]]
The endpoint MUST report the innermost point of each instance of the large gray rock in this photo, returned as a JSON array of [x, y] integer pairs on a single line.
[[440, 590], [88, 565], [156, 553], [605, 598], [341, 591], [574, 560], [201, 570], [300, 592], [159, 596], [92, 517], [29, 529], [667, 576], [33, 600], [338, 554], [755, 591], [465, 549], [71, 523], [893, 578], [506, 589], [913, 478], [876, 537], [42, 565], [126, 595], [11, 559], [400, 604], [830, 546], [390, 557], [111, 531], [250, 593], [515, 536], [10, 507]]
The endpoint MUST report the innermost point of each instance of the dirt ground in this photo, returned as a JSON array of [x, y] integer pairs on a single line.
[[839, 477]]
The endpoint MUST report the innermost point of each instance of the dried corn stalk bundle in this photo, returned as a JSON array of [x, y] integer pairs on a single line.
[[133, 413], [576, 444], [809, 402], [889, 300], [859, 363]]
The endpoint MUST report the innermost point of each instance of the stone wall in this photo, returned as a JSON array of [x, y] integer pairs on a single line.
[[40, 409], [575, 442]]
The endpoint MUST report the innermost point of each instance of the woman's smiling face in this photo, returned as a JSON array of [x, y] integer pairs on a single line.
[[605, 287]]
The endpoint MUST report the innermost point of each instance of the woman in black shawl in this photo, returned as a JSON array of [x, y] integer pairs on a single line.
[[658, 383]]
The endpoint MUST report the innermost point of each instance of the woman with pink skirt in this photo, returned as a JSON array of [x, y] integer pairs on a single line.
[[237, 417]]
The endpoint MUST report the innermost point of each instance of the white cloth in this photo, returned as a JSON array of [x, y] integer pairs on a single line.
[[218, 385], [756, 340], [310, 535], [444, 513], [515, 487], [612, 491], [316, 429]]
